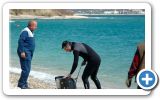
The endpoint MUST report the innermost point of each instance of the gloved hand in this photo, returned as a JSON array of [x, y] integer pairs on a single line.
[[128, 82], [68, 76], [83, 63]]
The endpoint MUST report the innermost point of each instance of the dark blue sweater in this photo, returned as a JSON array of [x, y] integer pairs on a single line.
[[26, 44]]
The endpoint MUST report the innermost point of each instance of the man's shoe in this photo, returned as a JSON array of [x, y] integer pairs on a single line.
[[24, 87]]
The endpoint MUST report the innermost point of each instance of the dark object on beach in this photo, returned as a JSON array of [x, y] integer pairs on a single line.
[[65, 83]]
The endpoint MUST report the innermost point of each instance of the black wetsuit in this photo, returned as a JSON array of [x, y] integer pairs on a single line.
[[93, 62]]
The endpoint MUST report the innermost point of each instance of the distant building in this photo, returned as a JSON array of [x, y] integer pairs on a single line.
[[108, 11]]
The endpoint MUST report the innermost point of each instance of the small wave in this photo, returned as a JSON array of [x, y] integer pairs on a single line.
[[101, 17], [11, 21], [48, 78]]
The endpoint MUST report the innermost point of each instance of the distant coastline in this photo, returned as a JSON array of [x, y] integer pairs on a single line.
[[64, 17], [46, 17], [66, 14], [104, 14], [43, 14]]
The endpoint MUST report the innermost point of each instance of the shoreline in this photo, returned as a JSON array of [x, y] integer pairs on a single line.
[[65, 17], [33, 83], [106, 14], [47, 17], [37, 80]]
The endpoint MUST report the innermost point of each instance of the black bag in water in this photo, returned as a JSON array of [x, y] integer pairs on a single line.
[[65, 83]]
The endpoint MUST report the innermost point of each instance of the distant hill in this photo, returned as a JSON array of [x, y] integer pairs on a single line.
[[41, 12], [71, 12]]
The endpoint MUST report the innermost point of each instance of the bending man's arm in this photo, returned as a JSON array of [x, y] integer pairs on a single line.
[[75, 62]]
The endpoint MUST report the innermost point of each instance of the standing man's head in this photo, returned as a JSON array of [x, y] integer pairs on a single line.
[[66, 45], [32, 25]]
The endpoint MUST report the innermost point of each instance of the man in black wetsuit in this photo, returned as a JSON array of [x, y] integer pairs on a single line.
[[90, 56]]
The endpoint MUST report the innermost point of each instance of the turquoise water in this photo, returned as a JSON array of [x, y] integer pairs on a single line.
[[114, 38]]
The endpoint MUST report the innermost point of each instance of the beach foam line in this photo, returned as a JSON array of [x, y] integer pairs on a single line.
[[48, 78], [11, 21], [100, 17]]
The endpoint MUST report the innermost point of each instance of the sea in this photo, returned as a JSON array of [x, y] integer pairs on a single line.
[[113, 37]]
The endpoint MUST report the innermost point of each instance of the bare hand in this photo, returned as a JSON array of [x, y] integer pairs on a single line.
[[23, 55]]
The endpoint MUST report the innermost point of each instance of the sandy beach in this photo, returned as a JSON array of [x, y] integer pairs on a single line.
[[45, 17], [34, 83]]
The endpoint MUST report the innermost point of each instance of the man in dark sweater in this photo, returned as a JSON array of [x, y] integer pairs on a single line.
[[25, 50]]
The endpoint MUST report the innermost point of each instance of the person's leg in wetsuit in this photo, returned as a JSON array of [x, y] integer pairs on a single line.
[[85, 76], [95, 79], [91, 69]]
